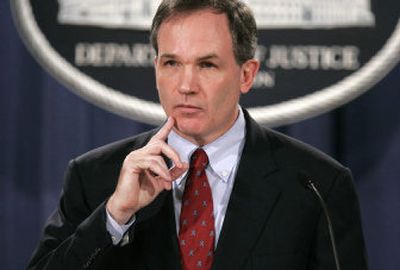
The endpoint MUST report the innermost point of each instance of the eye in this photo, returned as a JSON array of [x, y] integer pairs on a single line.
[[207, 64], [171, 63]]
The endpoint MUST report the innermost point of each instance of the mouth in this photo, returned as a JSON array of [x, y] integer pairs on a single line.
[[187, 109]]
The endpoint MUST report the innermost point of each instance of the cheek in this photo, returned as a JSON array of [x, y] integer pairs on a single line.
[[163, 97], [164, 100], [165, 89], [226, 97]]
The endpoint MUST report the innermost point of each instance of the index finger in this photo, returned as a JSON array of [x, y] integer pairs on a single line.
[[162, 134]]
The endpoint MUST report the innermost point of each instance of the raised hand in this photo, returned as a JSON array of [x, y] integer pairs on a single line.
[[144, 174]]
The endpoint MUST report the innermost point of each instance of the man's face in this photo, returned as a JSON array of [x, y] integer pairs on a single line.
[[198, 79]]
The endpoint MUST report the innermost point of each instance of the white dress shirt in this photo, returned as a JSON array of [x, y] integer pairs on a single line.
[[223, 154]]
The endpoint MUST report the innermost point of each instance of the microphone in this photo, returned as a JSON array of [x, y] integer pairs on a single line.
[[307, 182]]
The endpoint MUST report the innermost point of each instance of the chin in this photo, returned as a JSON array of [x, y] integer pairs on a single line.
[[189, 128]]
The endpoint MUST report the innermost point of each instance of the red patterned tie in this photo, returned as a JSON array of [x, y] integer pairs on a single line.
[[196, 234]]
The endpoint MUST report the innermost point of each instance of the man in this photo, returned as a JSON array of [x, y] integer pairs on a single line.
[[210, 188]]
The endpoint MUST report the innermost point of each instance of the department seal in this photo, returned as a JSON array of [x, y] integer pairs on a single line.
[[315, 55]]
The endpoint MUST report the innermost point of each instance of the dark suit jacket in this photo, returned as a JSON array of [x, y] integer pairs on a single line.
[[272, 221]]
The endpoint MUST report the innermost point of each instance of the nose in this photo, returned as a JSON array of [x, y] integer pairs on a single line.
[[188, 81]]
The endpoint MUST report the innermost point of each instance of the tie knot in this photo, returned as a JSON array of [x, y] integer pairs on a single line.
[[199, 160]]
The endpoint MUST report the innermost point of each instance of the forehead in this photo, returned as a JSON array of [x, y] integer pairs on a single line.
[[198, 30]]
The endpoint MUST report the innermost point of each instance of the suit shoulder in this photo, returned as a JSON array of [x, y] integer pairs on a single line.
[[293, 157], [298, 151], [287, 151]]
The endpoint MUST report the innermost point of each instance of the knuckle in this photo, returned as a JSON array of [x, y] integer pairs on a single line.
[[130, 158], [159, 159], [153, 145], [153, 162]]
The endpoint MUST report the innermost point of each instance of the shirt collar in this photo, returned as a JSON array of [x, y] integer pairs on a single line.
[[223, 153]]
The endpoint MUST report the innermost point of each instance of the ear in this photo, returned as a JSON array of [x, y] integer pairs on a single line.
[[155, 66], [248, 73], [155, 62]]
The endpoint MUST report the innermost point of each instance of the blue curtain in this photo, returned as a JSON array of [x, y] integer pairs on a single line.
[[43, 125]]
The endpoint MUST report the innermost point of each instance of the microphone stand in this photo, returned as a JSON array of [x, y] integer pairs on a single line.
[[307, 182]]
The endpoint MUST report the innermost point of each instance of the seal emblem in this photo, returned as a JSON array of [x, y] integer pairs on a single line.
[[315, 54]]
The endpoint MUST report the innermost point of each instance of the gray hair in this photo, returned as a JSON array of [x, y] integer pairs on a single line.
[[241, 20]]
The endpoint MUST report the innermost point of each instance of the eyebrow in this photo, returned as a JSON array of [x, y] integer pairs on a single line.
[[168, 55], [203, 58], [208, 57]]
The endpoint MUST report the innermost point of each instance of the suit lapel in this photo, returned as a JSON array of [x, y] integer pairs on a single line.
[[253, 198], [162, 250]]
